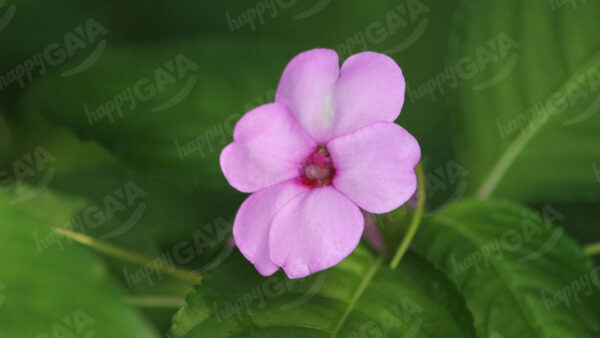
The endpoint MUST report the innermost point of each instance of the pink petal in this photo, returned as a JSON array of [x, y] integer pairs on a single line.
[[375, 166], [314, 232], [329, 102], [306, 87], [370, 89], [269, 147], [253, 221]]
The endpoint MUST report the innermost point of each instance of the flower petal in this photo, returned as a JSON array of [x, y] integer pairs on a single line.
[[306, 87], [253, 221], [314, 232], [374, 166], [269, 147], [370, 89]]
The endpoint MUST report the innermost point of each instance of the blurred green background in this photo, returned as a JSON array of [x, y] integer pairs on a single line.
[[113, 115]]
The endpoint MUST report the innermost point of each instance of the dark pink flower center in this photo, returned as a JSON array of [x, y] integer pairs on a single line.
[[318, 170]]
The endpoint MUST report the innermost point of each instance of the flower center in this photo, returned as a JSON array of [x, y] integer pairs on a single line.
[[319, 169]]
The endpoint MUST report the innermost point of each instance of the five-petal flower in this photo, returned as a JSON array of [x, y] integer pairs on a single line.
[[325, 149]]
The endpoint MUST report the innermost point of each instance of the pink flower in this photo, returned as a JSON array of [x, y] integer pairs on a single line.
[[325, 148]]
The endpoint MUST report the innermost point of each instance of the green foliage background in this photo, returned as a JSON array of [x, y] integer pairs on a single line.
[[503, 97]]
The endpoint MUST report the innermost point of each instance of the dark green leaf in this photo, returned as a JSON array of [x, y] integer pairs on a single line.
[[529, 97], [520, 274], [359, 296], [50, 285]]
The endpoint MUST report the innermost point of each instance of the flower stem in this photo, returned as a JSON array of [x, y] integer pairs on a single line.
[[129, 256], [592, 249], [368, 277], [416, 220]]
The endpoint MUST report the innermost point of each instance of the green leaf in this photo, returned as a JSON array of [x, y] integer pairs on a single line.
[[53, 287], [74, 163], [529, 95], [520, 274], [164, 211], [358, 296]]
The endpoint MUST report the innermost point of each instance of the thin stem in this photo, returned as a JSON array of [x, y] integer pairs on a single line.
[[592, 249], [129, 256], [532, 128], [416, 220], [503, 164], [358, 293]]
